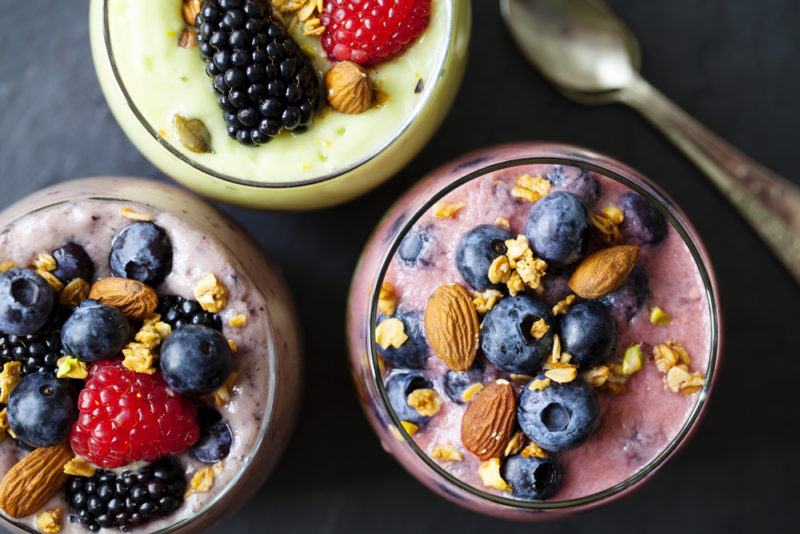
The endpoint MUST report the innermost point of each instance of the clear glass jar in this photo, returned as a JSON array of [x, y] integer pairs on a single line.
[[339, 158], [368, 368], [265, 397]]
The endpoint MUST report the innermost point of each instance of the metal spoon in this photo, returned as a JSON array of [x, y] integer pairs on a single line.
[[593, 58]]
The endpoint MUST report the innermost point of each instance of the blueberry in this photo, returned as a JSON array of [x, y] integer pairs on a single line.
[[26, 300], [399, 385], [558, 228], [73, 262], [195, 360], [532, 478], [560, 416], [143, 252], [456, 382], [414, 352], [577, 181], [415, 247], [42, 409], [476, 251], [626, 301], [588, 334], [506, 340], [215, 437], [643, 223], [95, 332]]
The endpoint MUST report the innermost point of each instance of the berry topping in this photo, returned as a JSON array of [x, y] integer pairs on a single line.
[[579, 182], [264, 82], [626, 301], [476, 251], [415, 248], [73, 262], [643, 223], [559, 416], [41, 410], [532, 478], [195, 360], [26, 300], [401, 384], [506, 337], [179, 311], [372, 31], [215, 437], [456, 383], [143, 252], [558, 228], [38, 351], [129, 499], [413, 353], [588, 334], [127, 416], [95, 332]]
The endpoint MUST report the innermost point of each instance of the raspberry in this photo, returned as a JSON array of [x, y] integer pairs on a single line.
[[127, 417], [372, 31]]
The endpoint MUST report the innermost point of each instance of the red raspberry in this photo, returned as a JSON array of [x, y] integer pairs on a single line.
[[127, 416], [371, 31]]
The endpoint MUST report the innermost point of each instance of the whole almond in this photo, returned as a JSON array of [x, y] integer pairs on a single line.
[[190, 10], [133, 298], [488, 423], [451, 326], [604, 271], [348, 88], [34, 480]]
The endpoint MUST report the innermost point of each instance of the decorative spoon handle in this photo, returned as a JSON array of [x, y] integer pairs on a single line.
[[770, 203]]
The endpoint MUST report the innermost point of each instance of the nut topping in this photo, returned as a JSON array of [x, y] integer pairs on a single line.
[[348, 88], [451, 326], [604, 271], [133, 298], [34, 480], [488, 422], [190, 10]]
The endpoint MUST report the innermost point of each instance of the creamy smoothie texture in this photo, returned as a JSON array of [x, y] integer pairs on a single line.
[[641, 357], [163, 79], [244, 401]]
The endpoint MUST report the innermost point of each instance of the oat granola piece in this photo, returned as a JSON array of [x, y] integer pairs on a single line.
[[539, 329], [517, 442], [44, 261], [75, 292], [489, 471], [538, 384], [54, 282], [132, 214], [502, 222], [485, 301], [500, 270], [9, 378], [7, 266], [425, 401], [238, 321], [596, 376], [531, 188], [561, 307], [670, 354], [447, 210], [49, 521], [79, 467], [607, 223], [211, 293], [446, 453], [562, 375], [222, 395], [469, 393], [390, 333], [202, 481], [387, 299]]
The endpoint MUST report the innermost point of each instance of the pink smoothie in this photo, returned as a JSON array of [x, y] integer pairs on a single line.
[[261, 410], [636, 426]]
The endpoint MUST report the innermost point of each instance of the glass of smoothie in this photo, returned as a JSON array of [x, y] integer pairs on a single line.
[[150, 360], [534, 330], [279, 104]]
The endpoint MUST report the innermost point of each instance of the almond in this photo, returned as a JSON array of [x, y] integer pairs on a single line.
[[604, 271], [133, 298], [190, 10], [488, 422], [34, 480], [451, 326], [348, 88]]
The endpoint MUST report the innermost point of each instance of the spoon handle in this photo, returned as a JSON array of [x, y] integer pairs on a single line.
[[770, 203]]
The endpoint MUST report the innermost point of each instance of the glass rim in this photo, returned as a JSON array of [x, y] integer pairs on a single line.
[[689, 236], [234, 482], [209, 172]]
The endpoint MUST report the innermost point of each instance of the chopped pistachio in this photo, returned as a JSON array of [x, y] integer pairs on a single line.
[[633, 359], [659, 317]]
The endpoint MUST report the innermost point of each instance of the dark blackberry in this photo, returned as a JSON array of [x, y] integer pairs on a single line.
[[264, 82], [39, 351], [130, 499], [178, 311]]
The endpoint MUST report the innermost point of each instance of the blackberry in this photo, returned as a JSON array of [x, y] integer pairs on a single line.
[[178, 311], [39, 351], [130, 499], [264, 82]]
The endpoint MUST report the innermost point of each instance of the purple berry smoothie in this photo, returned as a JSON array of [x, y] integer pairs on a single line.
[[263, 402], [639, 427]]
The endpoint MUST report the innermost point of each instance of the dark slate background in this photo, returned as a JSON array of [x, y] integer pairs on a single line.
[[732, 63]]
